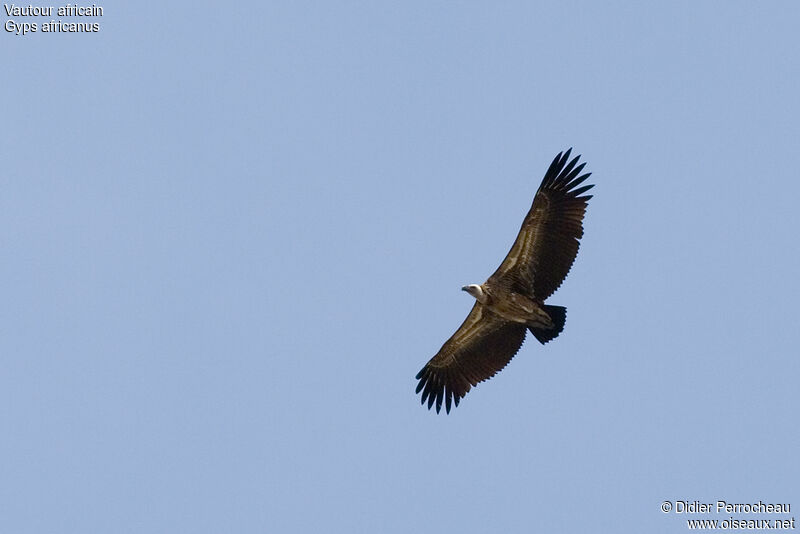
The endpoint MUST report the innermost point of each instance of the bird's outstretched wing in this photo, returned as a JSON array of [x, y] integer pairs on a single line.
[[548, 241], [481, 347]]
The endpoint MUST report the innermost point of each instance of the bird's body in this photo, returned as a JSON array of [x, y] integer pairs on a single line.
[[511, 306], [511, 301]]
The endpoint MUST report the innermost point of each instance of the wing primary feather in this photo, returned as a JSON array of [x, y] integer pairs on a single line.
[[427, 391], [575, 172], [578, 181], [555, 171], [434, 398], [431, 398], [555, 162], [566, 170], [422, 381], [552, 171], [435, 391], [580, 190]]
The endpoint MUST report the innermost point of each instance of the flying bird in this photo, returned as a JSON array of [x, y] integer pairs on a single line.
[[511, 301]]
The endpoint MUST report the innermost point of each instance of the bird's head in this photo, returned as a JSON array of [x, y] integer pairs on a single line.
[[476, 291]]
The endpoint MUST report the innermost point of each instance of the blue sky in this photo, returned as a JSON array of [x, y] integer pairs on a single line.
[[233, 234]]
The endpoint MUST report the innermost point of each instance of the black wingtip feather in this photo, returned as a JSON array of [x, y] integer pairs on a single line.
[[562, 170], [436, 392], [572, 174], [421, 382], [579, 180], [427, 391], [568, 169], [562, 160], [580, 190]]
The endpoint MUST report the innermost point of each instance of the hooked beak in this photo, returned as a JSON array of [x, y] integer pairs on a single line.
[[465, 288]]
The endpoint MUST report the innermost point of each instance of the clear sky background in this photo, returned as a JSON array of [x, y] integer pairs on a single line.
[[233, 233]]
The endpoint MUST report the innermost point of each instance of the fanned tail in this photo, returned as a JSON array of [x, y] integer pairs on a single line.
[[558, 314]]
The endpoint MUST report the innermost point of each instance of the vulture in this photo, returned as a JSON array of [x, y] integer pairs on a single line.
[[511, 301]]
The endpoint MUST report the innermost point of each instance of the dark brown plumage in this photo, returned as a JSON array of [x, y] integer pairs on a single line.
[[511, 301]]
